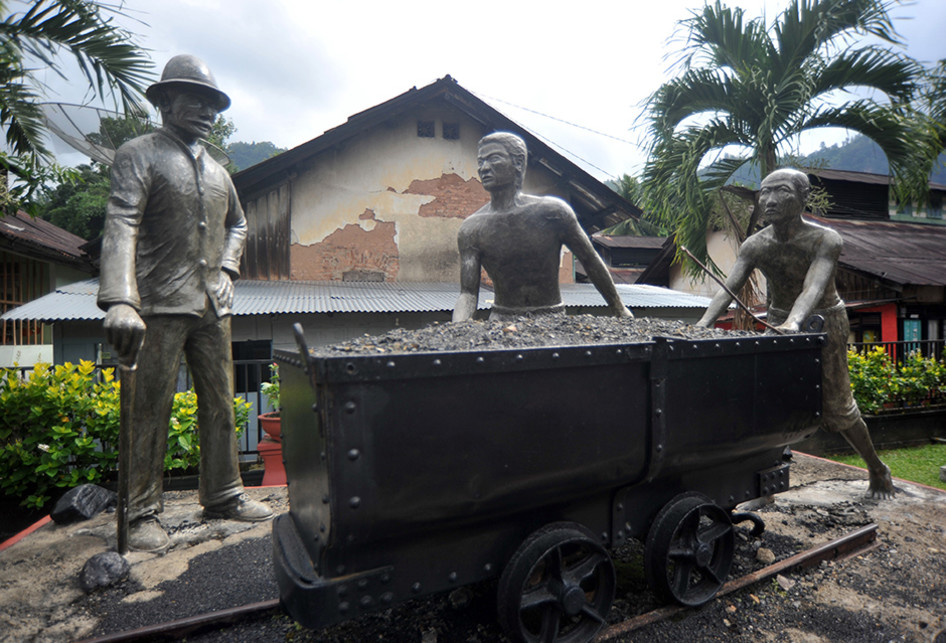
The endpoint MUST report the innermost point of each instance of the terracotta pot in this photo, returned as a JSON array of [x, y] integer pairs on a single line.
[[271, 425]]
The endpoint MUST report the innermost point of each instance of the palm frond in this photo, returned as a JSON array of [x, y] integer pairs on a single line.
[[885, 71], [108, 60]]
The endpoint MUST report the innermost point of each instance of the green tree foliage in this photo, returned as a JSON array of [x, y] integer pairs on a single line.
[[78, 205], [931, 108], [244, 155], [630, 188], [114, 131], [753, 87], [31, 41]]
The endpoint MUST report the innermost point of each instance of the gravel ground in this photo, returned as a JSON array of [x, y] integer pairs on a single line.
[[892, 593]]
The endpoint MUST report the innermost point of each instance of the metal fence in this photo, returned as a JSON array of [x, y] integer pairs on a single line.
[[898, 351]]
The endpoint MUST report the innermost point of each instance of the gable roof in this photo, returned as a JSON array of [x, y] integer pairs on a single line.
[[901, 253], [600, 206], [76, 302], [39, 239]]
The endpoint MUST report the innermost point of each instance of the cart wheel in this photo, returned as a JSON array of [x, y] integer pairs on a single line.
[[558, 586], [689, 550]]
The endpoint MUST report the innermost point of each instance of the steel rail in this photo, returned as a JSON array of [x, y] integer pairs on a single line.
[[190, 625], [855, 543]]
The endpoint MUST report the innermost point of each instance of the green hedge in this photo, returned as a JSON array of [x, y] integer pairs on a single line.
[[878, 382], [59, 429]]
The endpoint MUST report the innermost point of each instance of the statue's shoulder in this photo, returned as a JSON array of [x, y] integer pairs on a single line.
[[759, 242], [140, 144], [824, 235], [549, 206], [473, 222]]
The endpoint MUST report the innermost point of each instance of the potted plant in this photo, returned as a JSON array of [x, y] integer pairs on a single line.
[[270, 421]]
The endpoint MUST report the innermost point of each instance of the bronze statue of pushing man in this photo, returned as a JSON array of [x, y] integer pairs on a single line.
[[799, 259]]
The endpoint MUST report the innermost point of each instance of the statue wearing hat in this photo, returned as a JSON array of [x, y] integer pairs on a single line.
[[174, 235]]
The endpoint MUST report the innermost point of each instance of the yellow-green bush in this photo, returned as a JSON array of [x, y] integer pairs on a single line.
[[59, 428], [877, 381]]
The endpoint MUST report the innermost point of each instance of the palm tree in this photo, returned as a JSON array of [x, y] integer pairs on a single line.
[[110, 63], [748, 89]]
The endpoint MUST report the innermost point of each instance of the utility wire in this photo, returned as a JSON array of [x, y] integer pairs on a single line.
[[571, 124], [561, 120]]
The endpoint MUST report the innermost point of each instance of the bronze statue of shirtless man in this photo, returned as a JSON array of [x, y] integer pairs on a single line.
[[518, 238], [799, 259]]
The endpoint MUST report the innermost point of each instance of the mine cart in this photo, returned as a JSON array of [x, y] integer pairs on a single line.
[[416, 473]]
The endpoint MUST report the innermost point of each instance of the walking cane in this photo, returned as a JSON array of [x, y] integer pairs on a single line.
[[128, 369]]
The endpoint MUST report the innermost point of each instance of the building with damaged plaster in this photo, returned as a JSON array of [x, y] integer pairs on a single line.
[[355, 231], [381, 197]]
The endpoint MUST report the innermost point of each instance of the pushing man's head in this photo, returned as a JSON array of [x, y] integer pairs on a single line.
[[188, 97], [783, 194], [501, 160]]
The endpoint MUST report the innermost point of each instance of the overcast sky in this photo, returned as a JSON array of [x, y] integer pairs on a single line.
[[295, 68]]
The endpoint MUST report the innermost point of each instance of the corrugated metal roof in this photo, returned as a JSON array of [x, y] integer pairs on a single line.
[[77, 301], [628, 241], [904, 253]]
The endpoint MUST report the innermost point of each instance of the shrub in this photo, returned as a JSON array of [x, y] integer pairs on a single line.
[[59, 428], [877, 381]]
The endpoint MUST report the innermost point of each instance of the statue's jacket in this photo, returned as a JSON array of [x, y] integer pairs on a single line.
[[172, 224]]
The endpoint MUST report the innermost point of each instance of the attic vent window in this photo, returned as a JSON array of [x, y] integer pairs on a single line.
[[451, 131], [425, 129]]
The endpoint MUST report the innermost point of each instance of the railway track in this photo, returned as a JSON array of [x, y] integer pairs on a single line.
[[851, 544]]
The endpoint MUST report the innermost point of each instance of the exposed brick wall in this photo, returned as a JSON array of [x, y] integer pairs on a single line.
[[454, 197], [351, 248]]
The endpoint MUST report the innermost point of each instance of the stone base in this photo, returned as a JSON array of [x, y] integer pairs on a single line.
[[887, 431]]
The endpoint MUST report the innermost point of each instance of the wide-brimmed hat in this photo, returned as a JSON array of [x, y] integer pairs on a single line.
[[188, 71]]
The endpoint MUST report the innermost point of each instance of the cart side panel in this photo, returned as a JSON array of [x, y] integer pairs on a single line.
[[418, 453], [725, 403]]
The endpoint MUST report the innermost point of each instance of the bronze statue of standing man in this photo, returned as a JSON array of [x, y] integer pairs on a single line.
[[799, 259], [518, 238], [174, 235]]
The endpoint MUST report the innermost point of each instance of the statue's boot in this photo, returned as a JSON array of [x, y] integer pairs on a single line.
[[147, 534], [240, 508]]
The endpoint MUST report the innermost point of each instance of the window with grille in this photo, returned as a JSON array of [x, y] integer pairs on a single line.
[[21, 280]]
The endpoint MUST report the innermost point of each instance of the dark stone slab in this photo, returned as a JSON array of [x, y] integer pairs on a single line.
[[82, 503]]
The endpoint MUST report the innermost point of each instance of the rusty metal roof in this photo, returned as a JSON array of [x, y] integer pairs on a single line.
[[42, 240], [902, 253], [77, 301]]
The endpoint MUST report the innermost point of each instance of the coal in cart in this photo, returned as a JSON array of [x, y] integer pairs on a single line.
[[417, 473]]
